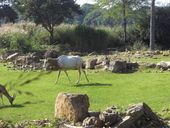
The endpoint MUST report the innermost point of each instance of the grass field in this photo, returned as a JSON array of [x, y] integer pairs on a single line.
[[104, 89]]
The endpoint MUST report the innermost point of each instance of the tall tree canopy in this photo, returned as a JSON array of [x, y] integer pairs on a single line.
[[48, 13], [7, 13], [121, 9]]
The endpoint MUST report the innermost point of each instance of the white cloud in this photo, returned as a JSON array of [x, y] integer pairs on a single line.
[[81, 2], [162, 2]]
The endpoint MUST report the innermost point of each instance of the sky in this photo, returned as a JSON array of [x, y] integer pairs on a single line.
[[162, 2]]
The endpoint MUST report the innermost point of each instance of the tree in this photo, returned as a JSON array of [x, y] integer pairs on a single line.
[[152, 25], [126, 7], [48, 13], [162, 26], [8, 13]]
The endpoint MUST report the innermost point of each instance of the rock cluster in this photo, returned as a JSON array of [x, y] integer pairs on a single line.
[[123, 67], [163, 65], [140, 116], [117, 66], [74, 107], [24, 62]]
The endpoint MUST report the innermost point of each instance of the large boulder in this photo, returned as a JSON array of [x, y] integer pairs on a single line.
[[140, 116], [73, 107], [132, 66], [118, 67], [121, 66], [151, 65], [164, 65]]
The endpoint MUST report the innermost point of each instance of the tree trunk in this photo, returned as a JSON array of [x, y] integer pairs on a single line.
[[51, 36], [152, 26], [124, 21]]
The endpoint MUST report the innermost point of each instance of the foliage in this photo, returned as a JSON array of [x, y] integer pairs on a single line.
[[19, 42], [5, 41], [48, 13], [79, 19], [92, 16], [139, 46], [162, 26], [121, 9], [28, 37], [89, 39], [7, 13], [16, 42]]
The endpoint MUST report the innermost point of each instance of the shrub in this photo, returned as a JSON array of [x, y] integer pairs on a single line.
[[115, 37], [5, 41], [40, 37], [138, 45], [26, 37], [90, 39], [20, 42], [65, 34]]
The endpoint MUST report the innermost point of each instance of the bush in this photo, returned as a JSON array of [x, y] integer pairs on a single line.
[[20, 42], [26, 37], [65, 34], [90, 39], [138, 45], [5, 41], [115, 37], [40, 37]]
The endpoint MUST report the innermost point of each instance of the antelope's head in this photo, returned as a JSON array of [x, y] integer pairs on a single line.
[[12, 99]]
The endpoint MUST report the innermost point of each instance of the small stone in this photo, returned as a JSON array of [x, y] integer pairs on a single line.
[[92, 121]]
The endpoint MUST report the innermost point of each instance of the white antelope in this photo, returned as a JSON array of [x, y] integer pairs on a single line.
[[65, 63]]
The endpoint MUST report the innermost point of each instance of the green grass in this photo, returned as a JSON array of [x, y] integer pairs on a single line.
[[104, 89]]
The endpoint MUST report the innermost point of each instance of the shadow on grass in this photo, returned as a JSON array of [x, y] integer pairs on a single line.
[[20, 105], [92, 84], [37, 102], [11, 106]]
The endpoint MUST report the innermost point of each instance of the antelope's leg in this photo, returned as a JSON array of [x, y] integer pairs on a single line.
[[85, 75], [2, 98], [58, 76], [67, 75], [79, 71]]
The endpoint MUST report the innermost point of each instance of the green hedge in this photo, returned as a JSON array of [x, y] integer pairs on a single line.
[[67, 38]]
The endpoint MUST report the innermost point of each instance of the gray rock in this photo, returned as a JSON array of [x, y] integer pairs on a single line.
[[94, 114], [118, 67], [110, 116], [92, 121], [138, 113], [151, 65], [131, 66], [164, 65]]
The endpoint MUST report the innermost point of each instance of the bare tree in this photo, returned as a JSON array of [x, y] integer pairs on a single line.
[[152, 26]]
